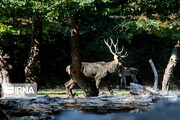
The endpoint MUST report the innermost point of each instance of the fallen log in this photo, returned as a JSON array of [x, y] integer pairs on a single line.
[[107, 103], [141, 90], [102, 104]]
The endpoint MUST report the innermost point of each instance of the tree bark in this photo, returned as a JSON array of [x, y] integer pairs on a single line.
[[4, 67], [33, 67], [174, 59], [87, 86], [5, 76]]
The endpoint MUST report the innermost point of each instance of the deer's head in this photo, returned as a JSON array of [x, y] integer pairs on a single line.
[[117, 55]]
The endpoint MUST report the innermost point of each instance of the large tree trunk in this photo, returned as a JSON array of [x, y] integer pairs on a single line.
[[85, 85], [33, 67], [174, 59]]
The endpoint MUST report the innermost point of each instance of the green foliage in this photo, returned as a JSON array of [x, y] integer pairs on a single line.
[[158, 27], [159, 17], [4, 28], [149, 7], [16, 15]]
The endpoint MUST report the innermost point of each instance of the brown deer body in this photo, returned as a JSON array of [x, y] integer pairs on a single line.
[[128, 72], [99, 71]]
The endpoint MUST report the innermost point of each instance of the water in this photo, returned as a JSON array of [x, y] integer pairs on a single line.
[[76, 115], [160, 111]]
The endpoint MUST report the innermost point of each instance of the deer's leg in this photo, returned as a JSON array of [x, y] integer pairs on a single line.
[[70, 89], [124, 81], [98, 78], [98, 81], [117, 82], [134, 79], [69, 85], [106, 83]]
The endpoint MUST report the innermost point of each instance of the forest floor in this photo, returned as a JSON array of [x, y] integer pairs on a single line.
[[80, 94]]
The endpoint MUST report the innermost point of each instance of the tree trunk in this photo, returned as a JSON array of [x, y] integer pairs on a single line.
[[87, 86], [5, 76], [174, 59], [33, 67]]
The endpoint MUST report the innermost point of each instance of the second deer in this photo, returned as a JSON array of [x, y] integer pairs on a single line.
[[122, 73]]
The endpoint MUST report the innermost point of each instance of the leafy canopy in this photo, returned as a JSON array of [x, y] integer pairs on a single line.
[[16, 15], [159, 17]]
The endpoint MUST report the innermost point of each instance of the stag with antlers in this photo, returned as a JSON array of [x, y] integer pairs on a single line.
[[4, 67], [99, 71]]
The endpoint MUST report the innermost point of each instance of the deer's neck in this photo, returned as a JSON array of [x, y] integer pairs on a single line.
[[112, 66]]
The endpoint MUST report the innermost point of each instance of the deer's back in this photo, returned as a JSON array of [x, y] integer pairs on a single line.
[[133, 70], [92, 69]]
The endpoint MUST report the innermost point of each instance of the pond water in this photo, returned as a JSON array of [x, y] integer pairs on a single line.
[[160, 111], [78, 115]]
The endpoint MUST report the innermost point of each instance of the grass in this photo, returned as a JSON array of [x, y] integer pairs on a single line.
[[50, 92], [20, 118], [78, 91]]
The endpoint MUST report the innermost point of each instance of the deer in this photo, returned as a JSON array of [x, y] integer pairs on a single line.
[[131, 71], [99, 71], [4, 67]]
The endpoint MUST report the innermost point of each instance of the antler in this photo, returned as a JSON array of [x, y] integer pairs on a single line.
[[115, 48], [1, 52], [125, 55], [5, 55], [122, 49], [110, 46]]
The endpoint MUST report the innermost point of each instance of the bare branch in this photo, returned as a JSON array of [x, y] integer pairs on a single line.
[[123, 27], [155, 74]]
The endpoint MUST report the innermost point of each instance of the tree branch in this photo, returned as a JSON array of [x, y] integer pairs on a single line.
[[155, 74]]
